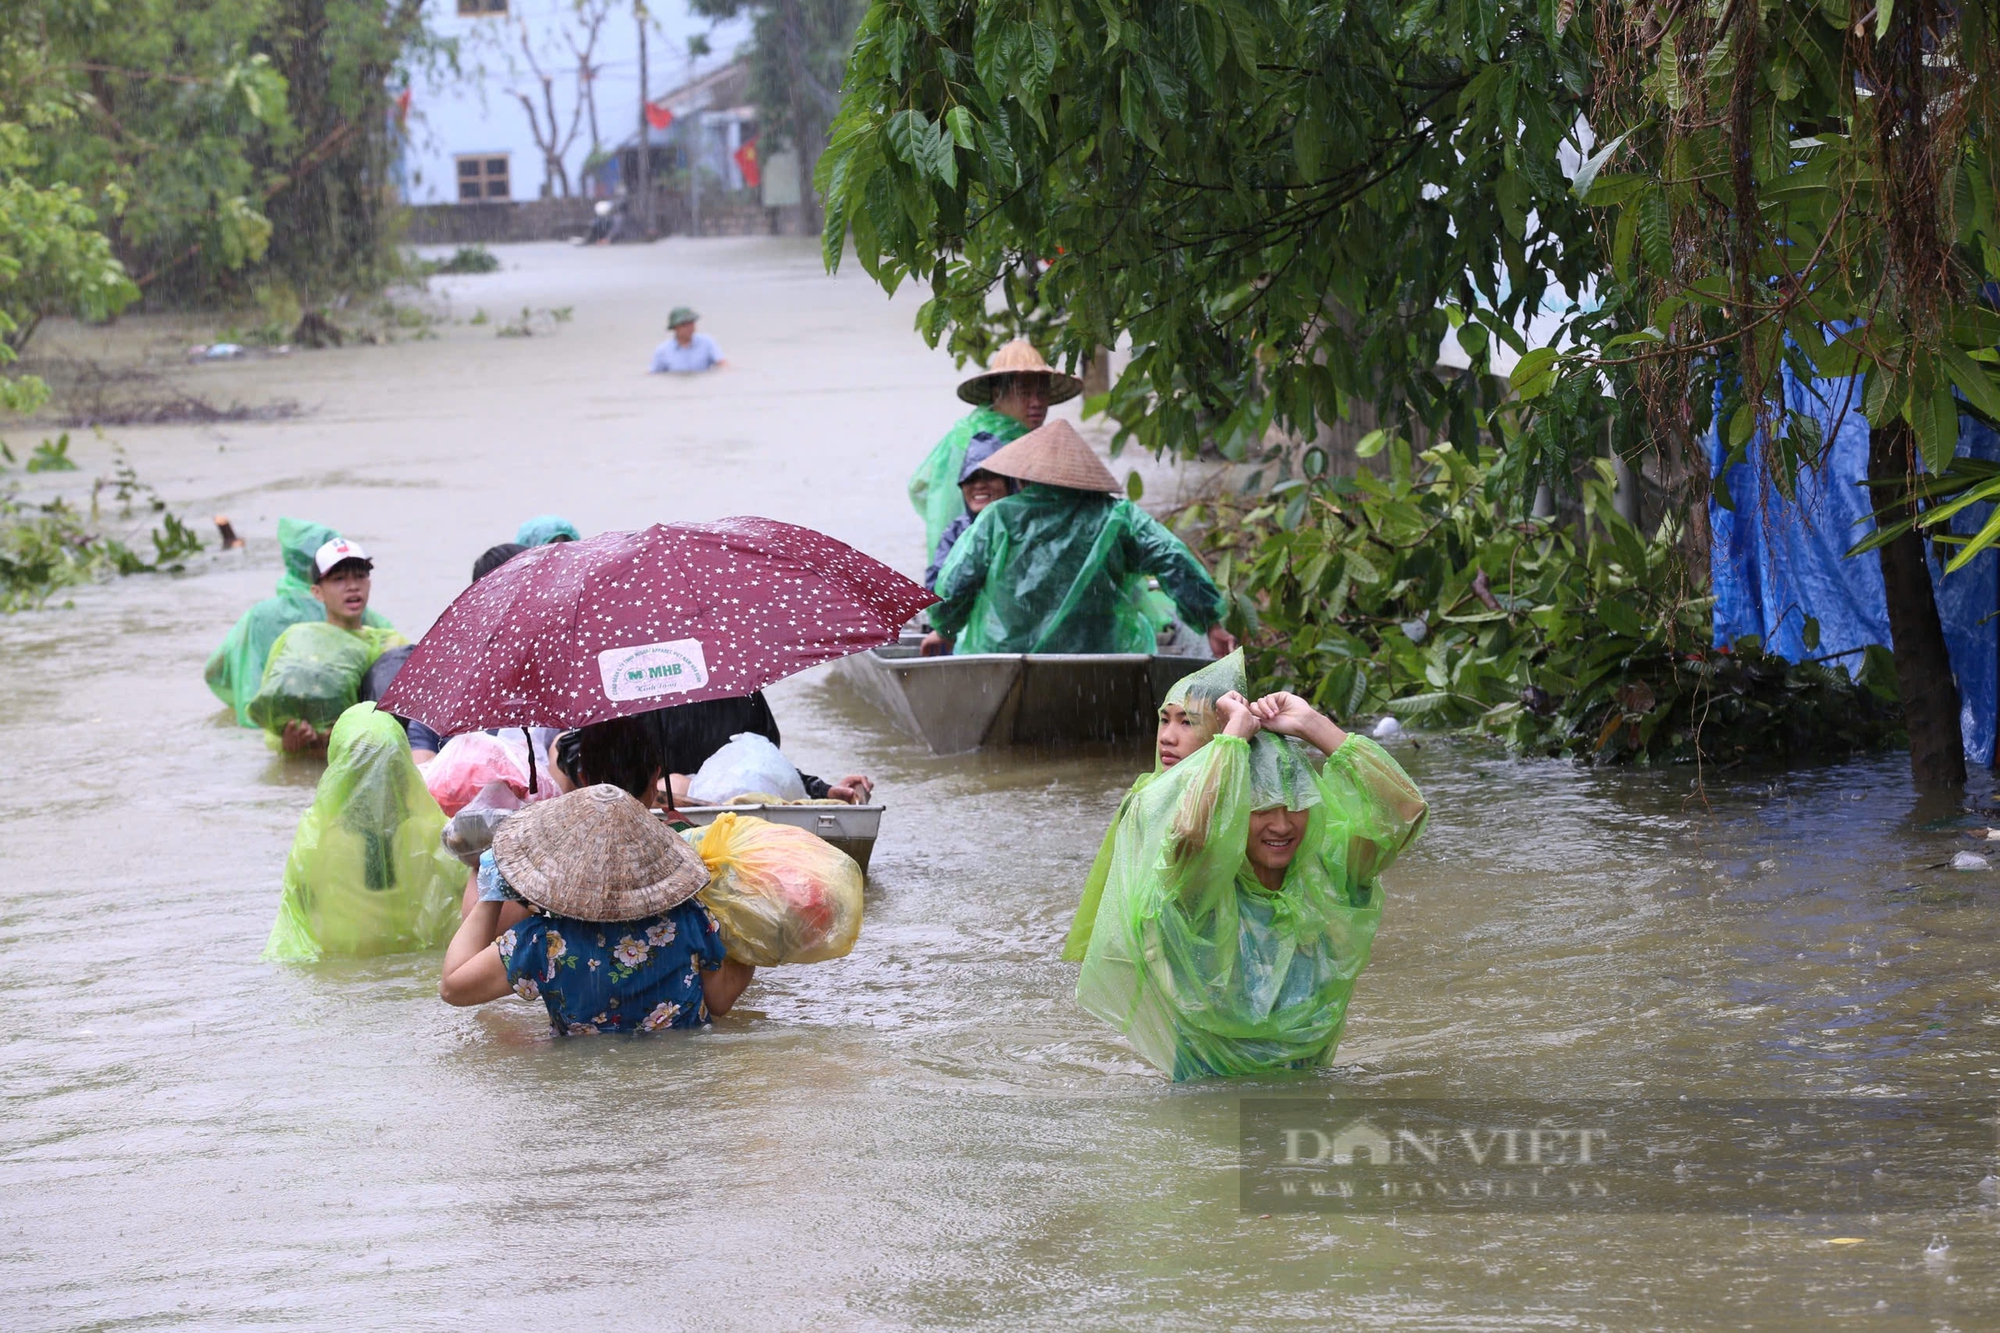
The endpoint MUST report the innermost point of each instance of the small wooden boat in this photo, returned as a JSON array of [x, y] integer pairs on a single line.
[[851, 828], [958, 703]]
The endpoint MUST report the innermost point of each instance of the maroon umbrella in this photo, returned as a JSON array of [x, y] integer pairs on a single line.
[[577, 632]]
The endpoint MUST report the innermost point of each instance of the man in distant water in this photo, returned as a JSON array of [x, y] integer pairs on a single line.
[[687, 351]]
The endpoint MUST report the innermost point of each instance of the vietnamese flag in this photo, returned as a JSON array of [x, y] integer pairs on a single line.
[[746, 159], [657, 116]]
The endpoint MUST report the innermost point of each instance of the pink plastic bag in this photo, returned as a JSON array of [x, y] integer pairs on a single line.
[[466, 764]]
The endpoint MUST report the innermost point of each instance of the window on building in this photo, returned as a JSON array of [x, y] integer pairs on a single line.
[[477, 8], [483, 176]]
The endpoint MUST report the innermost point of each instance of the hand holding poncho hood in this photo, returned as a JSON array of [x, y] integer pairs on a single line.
[[236, 668], [1205, 970], [1194, 694], [368, 873]]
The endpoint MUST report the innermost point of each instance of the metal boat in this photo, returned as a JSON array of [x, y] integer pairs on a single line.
[[851, 828], [958, 703]]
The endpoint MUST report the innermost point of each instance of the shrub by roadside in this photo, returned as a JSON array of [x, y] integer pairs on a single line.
[[1431, 595]]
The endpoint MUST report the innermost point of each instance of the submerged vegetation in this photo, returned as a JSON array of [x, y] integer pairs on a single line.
[[49, 545], [1431, 595]]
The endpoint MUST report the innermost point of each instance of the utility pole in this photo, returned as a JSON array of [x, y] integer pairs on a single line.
[[692, 133], [645, 181]]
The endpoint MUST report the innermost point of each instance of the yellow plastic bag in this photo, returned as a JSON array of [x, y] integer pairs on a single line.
[[780, 894]]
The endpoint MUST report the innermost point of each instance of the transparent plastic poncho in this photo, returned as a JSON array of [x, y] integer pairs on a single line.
[[236, 668], [1051, 570], [1206, 971], [314, 674], [934, 489], [368, 873], [1194, 694]]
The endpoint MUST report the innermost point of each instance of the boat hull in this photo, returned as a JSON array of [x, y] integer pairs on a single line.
[[959, 703], [851, 828]]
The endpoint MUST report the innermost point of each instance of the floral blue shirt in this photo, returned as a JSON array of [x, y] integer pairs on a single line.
[[616, 976]]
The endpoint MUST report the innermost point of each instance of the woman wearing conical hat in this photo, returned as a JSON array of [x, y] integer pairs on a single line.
[[1046, 570], [1009, 398]]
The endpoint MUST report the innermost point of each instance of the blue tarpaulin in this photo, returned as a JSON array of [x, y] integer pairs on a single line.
[[1775, 562]]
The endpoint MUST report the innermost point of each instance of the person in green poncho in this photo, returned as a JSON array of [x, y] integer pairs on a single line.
[[367, 873], [1244, 894], [236, 668], [1051, 568], [343, 578], [1009, 398], [1188, 721]]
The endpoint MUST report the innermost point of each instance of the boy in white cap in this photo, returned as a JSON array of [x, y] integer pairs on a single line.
[[342, 580]]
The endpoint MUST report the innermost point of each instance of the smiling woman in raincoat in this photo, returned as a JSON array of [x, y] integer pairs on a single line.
[[367, 873], [1244, 893], [236, 669]]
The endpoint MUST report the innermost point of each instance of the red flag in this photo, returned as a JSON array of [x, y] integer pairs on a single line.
[[402, 106], [657, 116], [746, 158]]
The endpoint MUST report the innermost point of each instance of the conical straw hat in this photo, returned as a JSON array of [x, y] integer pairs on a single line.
[[1055, 455], [1018, 358], [596, 855]]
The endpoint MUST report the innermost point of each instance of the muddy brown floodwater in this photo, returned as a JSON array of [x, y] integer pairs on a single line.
[[929, 1133]]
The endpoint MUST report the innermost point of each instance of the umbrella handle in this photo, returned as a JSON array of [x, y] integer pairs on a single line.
[[529, 736]]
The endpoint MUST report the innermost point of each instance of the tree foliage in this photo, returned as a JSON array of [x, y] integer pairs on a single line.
[[1800, 188], [211, 137], [1284, 203], [1431, 594]]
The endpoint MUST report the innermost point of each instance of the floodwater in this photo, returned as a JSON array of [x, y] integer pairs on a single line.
[[929, 1133]]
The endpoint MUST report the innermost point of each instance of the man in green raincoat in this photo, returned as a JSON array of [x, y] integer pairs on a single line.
[[1009, 398], [1051, 568], [236, 668]]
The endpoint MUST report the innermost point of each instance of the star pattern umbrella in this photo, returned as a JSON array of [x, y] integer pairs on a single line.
[[578, 632]]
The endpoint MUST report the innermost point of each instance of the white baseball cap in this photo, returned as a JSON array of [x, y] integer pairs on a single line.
[[336, 551]]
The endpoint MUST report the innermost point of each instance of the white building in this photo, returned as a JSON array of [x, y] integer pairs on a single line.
[[469, 135]]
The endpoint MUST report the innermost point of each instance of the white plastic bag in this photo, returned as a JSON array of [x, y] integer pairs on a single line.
[[470, 831], [748, 766]]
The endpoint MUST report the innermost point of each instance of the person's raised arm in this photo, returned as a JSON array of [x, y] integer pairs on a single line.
[[473, 972], [1155, 550], [1288, 715], [721, 987]]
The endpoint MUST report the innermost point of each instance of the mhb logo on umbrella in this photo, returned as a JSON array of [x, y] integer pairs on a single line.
[[651, 670]]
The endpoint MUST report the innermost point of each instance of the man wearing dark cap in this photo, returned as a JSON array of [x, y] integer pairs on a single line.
[[687, 352]]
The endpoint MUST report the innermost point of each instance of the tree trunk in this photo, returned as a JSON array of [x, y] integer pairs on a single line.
[[1923, 671]]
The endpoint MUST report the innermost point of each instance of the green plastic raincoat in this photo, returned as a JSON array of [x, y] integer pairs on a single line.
[[236, 668], [1050, 569], [1205, 970], [314, 673], [934, 485], [367, 873], [1194, 694]]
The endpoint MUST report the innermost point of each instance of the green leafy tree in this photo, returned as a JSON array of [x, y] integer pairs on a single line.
[[54, 256], [1285, 205], [1803, 188], [212, 137]]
